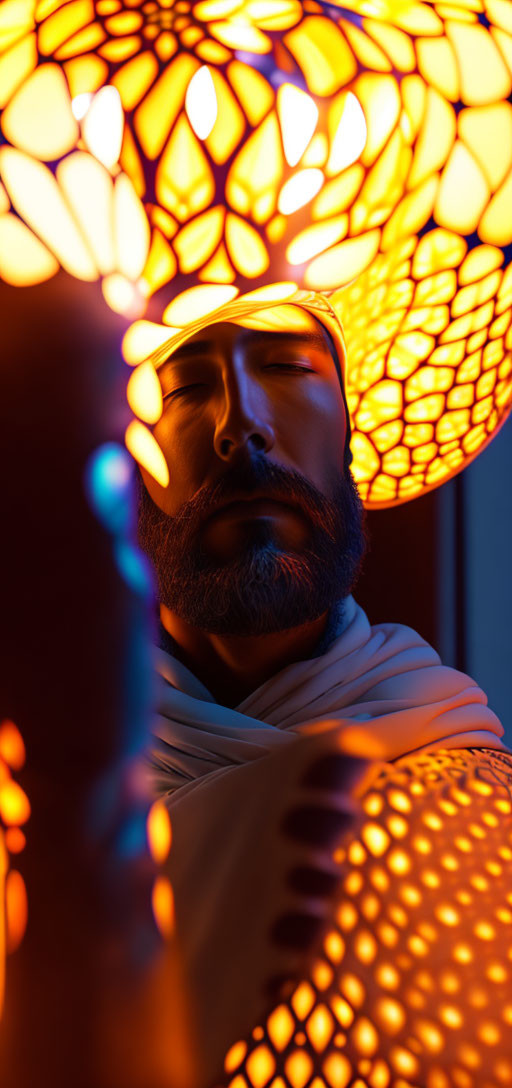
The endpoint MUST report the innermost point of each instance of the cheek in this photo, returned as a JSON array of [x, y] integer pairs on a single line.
[[316, 432], [187, 451]]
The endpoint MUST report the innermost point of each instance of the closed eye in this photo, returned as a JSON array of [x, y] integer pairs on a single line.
[[183, 389], [289, 366]]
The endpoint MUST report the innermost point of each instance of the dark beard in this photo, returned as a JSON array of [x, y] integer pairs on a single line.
[[265, 589]]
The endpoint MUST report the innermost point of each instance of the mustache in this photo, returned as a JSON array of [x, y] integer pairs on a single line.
[[252, 476]]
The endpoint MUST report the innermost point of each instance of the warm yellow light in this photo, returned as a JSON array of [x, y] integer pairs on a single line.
[[299, 190], [12, 747], [314, 240], [122, 295], [37, 198], [349, 136], [14, 803], [298, 117], [39, 118], [201, 102], [144, 393], [23, 258], [80, 104], [103, 126], [131, 229], [142, 338], [159, 832], [163, 906], [87, 186], [145, 449], [16, 909], [196, 303]]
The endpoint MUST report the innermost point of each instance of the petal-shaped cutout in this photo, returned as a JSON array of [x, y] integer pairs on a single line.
[[197, 302], [343, 262], [487, 131], [484, 76], [62, 24], [255, 94], [135, 78], [435, 139], [246, 248], [299, 190], [145, 449], [131, 229], [144, 393], [496, 222], [380, 99], [160, 266], [241, 36], [16, 20], [142, 339], [219, 269], [298, 117], [85, 74], [350, 134], [229, 127], [196, 241], [15, 65], [184, 180], [88, 189], [38, 200], [39, 118], [315, 239], [103, 126], [201, 102], [322, 53], [463, 192], [156, 115], [257, 171], [23, 258], [438, 66]]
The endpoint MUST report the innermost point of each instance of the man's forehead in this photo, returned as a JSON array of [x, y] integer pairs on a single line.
[[266, 327]]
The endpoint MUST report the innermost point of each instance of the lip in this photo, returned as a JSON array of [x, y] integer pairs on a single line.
[[254, 506]]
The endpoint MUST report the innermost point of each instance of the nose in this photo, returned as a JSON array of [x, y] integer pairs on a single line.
[[243, 420]]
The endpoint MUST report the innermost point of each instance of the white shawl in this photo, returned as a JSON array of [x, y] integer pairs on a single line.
[[377, 693]]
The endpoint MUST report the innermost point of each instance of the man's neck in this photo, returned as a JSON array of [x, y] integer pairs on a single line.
[[232, 667]]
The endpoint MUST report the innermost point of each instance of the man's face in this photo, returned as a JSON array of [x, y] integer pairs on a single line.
[[259, 528]]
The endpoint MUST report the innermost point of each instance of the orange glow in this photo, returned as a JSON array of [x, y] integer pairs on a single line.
[[12, 748], [162, 901], [338, 165], [159, 832], [14, 803], [16, 906]]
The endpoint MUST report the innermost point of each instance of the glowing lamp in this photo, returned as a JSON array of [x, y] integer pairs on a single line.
[[360, 151]]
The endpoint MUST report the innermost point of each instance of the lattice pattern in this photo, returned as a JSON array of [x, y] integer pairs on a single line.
[[271, 140], [429, 341], [412, 984]]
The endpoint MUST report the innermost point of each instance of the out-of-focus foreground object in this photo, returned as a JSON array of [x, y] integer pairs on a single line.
[[92, 992]]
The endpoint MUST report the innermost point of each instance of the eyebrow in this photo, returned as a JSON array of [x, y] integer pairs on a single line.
[[257, 337]]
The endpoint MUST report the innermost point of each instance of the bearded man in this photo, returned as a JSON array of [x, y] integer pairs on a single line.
[[306, 756]]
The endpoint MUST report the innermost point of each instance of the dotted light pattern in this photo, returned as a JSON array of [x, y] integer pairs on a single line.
[[429, 340], [14, 812], [308, 142], [412, 984]]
